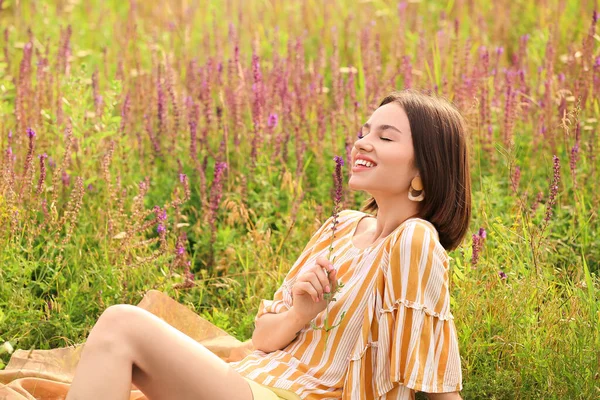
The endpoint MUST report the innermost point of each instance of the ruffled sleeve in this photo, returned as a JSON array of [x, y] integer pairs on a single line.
[[282, 299], [417, 341]]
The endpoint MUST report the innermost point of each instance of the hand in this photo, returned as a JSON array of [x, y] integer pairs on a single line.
[[309, 288]]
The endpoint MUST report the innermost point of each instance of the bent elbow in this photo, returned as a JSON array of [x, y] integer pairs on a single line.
[[258, 341]]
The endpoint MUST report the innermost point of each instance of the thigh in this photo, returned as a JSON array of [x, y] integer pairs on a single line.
[[260, 392], [169, 364]]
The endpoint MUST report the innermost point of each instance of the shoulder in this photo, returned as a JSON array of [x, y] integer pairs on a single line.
[[420, 234], [345, 216], [349, 214], [343, 220]]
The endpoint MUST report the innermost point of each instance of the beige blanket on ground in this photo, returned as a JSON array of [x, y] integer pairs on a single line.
[[47, 374]]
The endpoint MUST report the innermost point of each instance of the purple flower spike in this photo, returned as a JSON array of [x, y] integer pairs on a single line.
[[160, 229], [339, 163], [182, 178], [30, 133], [272, 121], [502, 275], [216, 192], [66, 178], [478, 239], [482, 233], [161, 214]]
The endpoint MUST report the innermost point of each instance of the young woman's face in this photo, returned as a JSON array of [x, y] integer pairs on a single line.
[[387, 141]]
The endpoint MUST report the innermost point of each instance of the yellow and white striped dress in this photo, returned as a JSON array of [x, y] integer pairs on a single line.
[[398, 335]]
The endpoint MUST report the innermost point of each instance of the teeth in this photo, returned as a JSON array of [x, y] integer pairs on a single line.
[[364, 162]]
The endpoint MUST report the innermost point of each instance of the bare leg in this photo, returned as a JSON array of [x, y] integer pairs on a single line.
[[131, 345]]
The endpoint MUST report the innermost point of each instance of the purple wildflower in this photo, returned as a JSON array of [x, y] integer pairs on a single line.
[[553, 189], [161, 217], [407, 71], [339, 163], [42, 173], [215, 192], [337, 177], [161, 104], [575, 150], [574, 157], [478, 240], [482, 233], [516, 178], [30, 133], [502, 275], [161, 214], [272, 121], [186, 185]]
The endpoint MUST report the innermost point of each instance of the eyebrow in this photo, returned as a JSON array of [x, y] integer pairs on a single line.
[[382, 127]]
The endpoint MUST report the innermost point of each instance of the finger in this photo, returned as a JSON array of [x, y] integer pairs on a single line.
[[308, 288], [322, 276], [314, 280], [325, 263], [333, 279], [322, 261]]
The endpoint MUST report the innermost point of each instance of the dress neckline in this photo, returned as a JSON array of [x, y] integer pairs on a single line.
[[374, 245]]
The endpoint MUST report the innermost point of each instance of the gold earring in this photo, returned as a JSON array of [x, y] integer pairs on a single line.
[[416, 185]]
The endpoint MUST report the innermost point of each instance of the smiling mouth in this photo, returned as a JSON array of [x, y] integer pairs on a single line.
[[364, 163], [360, 167]]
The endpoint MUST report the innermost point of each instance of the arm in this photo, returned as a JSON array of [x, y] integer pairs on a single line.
[[278, 322], [275, 331], [444, 396]]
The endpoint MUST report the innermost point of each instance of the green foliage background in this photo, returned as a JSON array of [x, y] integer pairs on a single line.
[[82, 243]]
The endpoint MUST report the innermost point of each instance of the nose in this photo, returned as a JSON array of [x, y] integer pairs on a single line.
[[362, 143]]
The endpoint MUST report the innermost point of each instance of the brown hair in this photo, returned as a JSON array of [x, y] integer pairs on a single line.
[[439, 139]]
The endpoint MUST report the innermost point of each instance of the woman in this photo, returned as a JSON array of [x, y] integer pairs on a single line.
[[394, 333]]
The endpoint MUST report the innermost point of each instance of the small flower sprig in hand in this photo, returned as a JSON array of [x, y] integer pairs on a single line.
[[339, 163]]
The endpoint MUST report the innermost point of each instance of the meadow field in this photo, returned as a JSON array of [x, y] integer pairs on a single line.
[[187, 146]]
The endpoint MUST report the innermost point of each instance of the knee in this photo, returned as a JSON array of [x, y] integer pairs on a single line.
[[120, 318], [115, 327]]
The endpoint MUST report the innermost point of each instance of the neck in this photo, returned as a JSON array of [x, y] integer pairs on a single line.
[[391, 212]]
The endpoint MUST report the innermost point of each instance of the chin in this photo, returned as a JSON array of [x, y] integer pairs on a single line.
[[355, 187]]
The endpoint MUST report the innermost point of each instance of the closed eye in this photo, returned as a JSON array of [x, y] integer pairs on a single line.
[[360, 136]]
